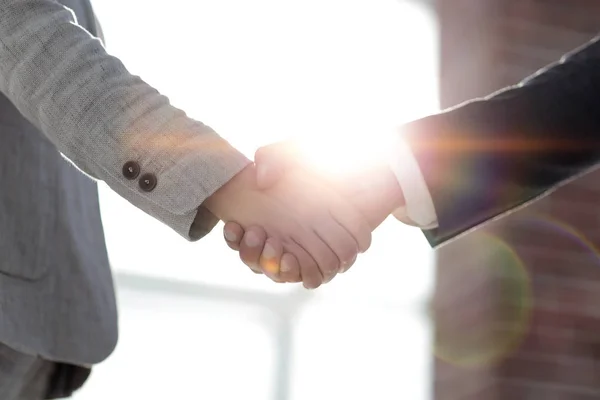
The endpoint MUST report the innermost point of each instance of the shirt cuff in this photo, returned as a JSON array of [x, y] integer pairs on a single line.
[[418, 208]]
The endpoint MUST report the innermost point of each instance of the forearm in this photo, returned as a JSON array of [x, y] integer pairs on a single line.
[[100, 116], [488, 156]]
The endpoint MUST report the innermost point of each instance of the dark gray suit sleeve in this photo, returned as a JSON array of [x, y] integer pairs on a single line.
[[488, 156]]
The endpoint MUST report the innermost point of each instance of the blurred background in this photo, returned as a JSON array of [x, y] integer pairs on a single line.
[[514, 305]]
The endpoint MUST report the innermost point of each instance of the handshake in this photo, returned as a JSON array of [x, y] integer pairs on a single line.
[[294, 223], [449, 173]]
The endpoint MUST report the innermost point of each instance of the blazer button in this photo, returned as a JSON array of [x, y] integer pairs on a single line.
[[131, 170], [148, 182]]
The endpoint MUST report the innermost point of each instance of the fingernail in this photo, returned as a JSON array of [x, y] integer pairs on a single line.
[[230, 236], [255, 268], [285, 265], [269, 251], [329, 277], [345, 265], [252, 239]]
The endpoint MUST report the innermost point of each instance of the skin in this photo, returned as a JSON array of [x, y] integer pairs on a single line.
[[262, 252], [302, 221]]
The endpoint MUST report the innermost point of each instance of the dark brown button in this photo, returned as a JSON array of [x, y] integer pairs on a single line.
[[131, 170], [148, 182]]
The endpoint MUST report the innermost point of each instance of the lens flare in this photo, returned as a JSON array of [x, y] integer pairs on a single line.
[[355, 153], [489, 325], [563, 229], [271, 265]]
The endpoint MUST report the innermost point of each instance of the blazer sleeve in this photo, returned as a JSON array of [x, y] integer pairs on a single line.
[[492, 155], [106, 120]]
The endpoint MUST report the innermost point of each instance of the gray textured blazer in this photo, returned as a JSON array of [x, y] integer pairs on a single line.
[[62, 93]]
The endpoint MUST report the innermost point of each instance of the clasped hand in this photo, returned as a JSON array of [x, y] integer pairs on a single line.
[[295, 225], [301, 216]]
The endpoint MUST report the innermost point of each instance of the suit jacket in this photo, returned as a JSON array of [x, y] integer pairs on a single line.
[[491, 155], [64, 94]]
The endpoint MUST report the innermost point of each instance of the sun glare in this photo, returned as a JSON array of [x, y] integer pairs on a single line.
[[331, 156]]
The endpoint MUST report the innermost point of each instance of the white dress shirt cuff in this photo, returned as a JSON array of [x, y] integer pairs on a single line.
[[419, 209]]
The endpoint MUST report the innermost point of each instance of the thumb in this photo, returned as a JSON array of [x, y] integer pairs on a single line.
[[374, 192], [273, 161]]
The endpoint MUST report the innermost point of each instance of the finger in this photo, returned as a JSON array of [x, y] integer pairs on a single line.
[[339, 241], [252, 246], [309, 270], [233, 234], [272, 161], [346, 266], [271, 258], [327, 261], [289, 268], [354, 223]]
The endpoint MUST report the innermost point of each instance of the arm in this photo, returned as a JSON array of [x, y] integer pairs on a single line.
[[483, 158], [488, 156], [101, 117], [116, 128]]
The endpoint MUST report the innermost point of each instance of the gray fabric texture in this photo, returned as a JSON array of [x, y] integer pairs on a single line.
[[68, 107]]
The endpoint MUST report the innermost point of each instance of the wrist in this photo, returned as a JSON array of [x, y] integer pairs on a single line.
[[377, 193], [417, 208], [391, 192], [223, 200]]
